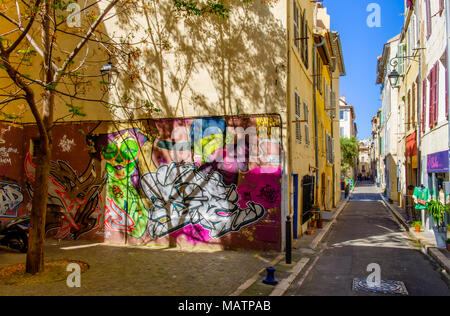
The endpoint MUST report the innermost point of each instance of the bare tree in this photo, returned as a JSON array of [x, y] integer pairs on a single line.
[[34, 35], [20, 51]]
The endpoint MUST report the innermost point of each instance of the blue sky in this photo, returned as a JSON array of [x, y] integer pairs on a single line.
[[361, 46]]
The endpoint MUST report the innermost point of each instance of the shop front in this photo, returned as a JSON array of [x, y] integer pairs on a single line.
[[437, 170]]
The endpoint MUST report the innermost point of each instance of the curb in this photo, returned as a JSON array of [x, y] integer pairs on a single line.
[[284, 284], [427, 248], [443, 261], [398, 217]]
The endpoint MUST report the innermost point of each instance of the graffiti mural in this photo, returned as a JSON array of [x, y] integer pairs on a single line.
[[214, 180], [202, 178], [74, 201], [182, 195], [10, 198], [125, 210]]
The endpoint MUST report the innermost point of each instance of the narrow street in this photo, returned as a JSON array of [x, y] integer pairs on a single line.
[[366, 233]]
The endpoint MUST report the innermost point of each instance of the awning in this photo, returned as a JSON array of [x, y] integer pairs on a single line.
[[411, 145]]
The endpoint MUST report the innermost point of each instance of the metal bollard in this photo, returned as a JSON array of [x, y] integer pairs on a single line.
[[288, 241], [270, 277]]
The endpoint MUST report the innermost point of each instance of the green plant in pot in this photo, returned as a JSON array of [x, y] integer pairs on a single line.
[[417, 225], [437, 212]]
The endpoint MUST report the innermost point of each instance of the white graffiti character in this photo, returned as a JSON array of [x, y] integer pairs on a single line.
[[183, 195]]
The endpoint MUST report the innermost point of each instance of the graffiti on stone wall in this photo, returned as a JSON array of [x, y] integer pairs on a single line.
[[203, 177], [10, 198], [182, 195], [125, 210], [74, 201]]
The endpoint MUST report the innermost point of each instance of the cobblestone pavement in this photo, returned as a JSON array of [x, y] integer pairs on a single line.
[[119, 270]]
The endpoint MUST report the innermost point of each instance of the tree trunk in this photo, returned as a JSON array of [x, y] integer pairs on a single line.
[[35, 255]]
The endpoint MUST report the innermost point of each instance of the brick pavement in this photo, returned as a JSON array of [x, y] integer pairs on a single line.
[[124, 270]]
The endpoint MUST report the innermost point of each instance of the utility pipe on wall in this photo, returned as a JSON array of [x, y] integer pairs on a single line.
[[316, 140]]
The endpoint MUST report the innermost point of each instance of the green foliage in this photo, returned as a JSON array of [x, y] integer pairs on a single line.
[[75, 110], [437, 210], [417, 223], [213, 7], [349, 151]]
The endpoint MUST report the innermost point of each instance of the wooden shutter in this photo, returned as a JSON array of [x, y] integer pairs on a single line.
[[428, 9], [401, 59], [298, 133], [431, 103], [446, 92], [436, 92], [296, 25]]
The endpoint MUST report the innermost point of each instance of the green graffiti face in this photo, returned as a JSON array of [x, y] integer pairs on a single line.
[[121, 155]]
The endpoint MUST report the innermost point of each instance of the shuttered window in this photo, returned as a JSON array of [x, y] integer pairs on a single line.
[[433, 78], [306, 118], [298, 132], [428, 10], [424, 104], [436, 92], [296, 24]]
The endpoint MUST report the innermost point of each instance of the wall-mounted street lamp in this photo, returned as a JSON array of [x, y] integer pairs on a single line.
[[109, 74], [394, 78], [394, 75]]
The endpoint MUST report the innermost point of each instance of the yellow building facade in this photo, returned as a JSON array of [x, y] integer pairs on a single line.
[[189, 91]]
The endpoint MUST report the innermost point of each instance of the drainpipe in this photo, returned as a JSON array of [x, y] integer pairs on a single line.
[[316, 139], [447, 9], [419, 115]]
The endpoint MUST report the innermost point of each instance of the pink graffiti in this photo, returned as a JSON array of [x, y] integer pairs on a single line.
[[261, 185], [193, 233]]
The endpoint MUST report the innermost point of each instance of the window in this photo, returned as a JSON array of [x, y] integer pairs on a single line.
[[342, 115], [401, 60], [306, 118], [428, 9], [424, 104], [408, 109], [341, 131], [298, 133], [304, 41], [433, 78], [444, 62], [296, 24]]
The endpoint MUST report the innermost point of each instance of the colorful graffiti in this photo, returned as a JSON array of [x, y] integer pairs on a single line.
[[200, 179], [75, 200], [125, 210], [10, 198], [182, 195], [204, 177]]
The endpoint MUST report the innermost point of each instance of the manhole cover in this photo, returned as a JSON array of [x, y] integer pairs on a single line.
[[386, 287]]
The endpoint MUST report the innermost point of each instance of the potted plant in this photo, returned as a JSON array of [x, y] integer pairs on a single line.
[[437, 212], [417, 226], [448, 244]]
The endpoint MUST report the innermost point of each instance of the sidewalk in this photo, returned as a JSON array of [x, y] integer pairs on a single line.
[[424, 238], [137, 270], [302, 249]]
